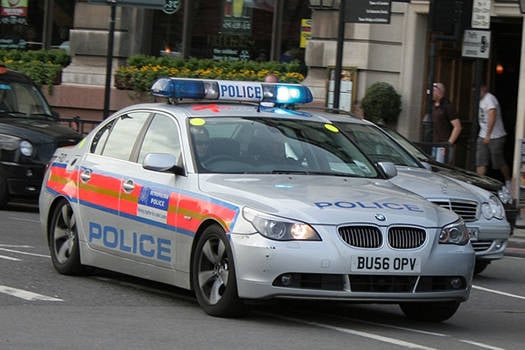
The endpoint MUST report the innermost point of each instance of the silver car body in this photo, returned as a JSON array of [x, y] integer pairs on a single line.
[[377, 242], [489, 235]]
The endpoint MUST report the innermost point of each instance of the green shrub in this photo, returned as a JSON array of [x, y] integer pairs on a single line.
[[43, 66], [141, 71], [381, 104]]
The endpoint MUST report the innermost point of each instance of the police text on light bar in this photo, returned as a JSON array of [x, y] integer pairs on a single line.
[[278, 93]]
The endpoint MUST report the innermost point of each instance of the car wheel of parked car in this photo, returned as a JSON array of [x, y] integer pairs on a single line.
[[63, 240], [480, 266], [213, 274], [4, 198], [431, 311]]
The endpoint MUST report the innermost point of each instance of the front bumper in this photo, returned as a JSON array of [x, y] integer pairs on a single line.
[[23, 181], [489, 238], [323, 270]]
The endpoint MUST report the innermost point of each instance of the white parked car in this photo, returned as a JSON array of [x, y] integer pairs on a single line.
[[239, 200], [481, 210]]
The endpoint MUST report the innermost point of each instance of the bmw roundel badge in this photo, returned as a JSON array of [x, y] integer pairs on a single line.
[[380, 217]]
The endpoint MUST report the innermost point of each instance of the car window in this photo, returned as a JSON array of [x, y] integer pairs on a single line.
[[22, 98], [377, 145], [100, 138], [270, 145], [123, 135], [162, 136]]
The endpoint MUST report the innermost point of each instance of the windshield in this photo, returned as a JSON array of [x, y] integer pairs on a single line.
[[273, 146], [22, 100], [377, 145], [407, 145]]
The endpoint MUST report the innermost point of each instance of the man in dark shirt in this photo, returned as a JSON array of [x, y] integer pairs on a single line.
[[446, 124]]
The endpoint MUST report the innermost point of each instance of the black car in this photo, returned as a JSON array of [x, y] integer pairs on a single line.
[[29, 134], [488, 183]]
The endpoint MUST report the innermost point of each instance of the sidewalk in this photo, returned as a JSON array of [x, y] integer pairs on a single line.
[[518, 237]]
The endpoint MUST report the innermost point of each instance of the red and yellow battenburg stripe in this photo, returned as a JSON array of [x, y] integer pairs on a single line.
[[185, 211]]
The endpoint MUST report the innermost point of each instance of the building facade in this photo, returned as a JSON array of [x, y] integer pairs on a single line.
[[402, 52]]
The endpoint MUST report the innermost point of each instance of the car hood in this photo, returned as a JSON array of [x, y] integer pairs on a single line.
[[470, 177], [433, 186], [325, 199], [36, 129]]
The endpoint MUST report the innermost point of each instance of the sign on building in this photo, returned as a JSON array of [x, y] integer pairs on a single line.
[[480, 14], [368, 11], [476, 43], [168, 6], [306, 32], [13, 12]]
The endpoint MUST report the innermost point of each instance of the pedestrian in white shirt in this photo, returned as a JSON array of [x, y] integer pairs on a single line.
[[491, 137]]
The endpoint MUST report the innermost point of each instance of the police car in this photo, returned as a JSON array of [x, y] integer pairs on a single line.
[[481, 210], [238, 199]]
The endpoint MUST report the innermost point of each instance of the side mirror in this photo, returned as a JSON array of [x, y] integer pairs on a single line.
[[162, 162], [388, 168]]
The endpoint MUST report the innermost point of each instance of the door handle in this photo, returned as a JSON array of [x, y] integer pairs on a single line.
[[128, 185], [85, 175]]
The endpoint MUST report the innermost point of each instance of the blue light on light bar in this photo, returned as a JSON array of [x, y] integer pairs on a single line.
[[231, 90], [178, 88]]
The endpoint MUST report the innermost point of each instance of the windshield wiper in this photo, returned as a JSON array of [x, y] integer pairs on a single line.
[[45, 115], [14, 113], [305, 172]]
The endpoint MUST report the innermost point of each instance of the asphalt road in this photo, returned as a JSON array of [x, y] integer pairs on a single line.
[[40, 309]]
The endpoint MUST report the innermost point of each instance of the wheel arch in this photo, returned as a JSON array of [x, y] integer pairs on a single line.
[[203, 226]]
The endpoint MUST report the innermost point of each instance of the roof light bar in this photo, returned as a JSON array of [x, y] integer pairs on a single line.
[[279, 93]]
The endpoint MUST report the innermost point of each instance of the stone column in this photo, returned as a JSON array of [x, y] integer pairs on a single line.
[[89, 41]]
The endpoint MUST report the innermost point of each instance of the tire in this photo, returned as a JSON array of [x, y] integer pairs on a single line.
[[213, 274], [4, 195], [480, 266], [63, 240], [431, 311]]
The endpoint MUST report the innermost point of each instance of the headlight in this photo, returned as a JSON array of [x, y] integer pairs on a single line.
[[504, 195], [280, 229], [26, 148], [455, 233], [493, 208]]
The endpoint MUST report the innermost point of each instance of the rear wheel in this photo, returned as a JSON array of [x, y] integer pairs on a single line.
[[480, 266], [63, 240], [213, 274], [430, 312]]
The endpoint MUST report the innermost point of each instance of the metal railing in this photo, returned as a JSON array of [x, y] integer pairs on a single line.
[[82, 126]]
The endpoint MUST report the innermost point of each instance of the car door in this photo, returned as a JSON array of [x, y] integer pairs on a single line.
[[149, 199], [100, 184]]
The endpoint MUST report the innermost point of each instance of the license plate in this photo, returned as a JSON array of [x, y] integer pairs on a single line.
[[473, 232], [385, 264]]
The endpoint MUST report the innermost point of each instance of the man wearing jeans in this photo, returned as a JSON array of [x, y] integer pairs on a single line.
[[446, 125], [491, 137]]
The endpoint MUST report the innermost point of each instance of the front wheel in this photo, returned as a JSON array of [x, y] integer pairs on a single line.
[[430, 312], [213, 274], [63, 240], [480, 266]]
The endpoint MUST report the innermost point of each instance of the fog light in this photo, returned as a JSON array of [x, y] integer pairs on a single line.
[[499, 244], [456, 283], [286, 280]]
